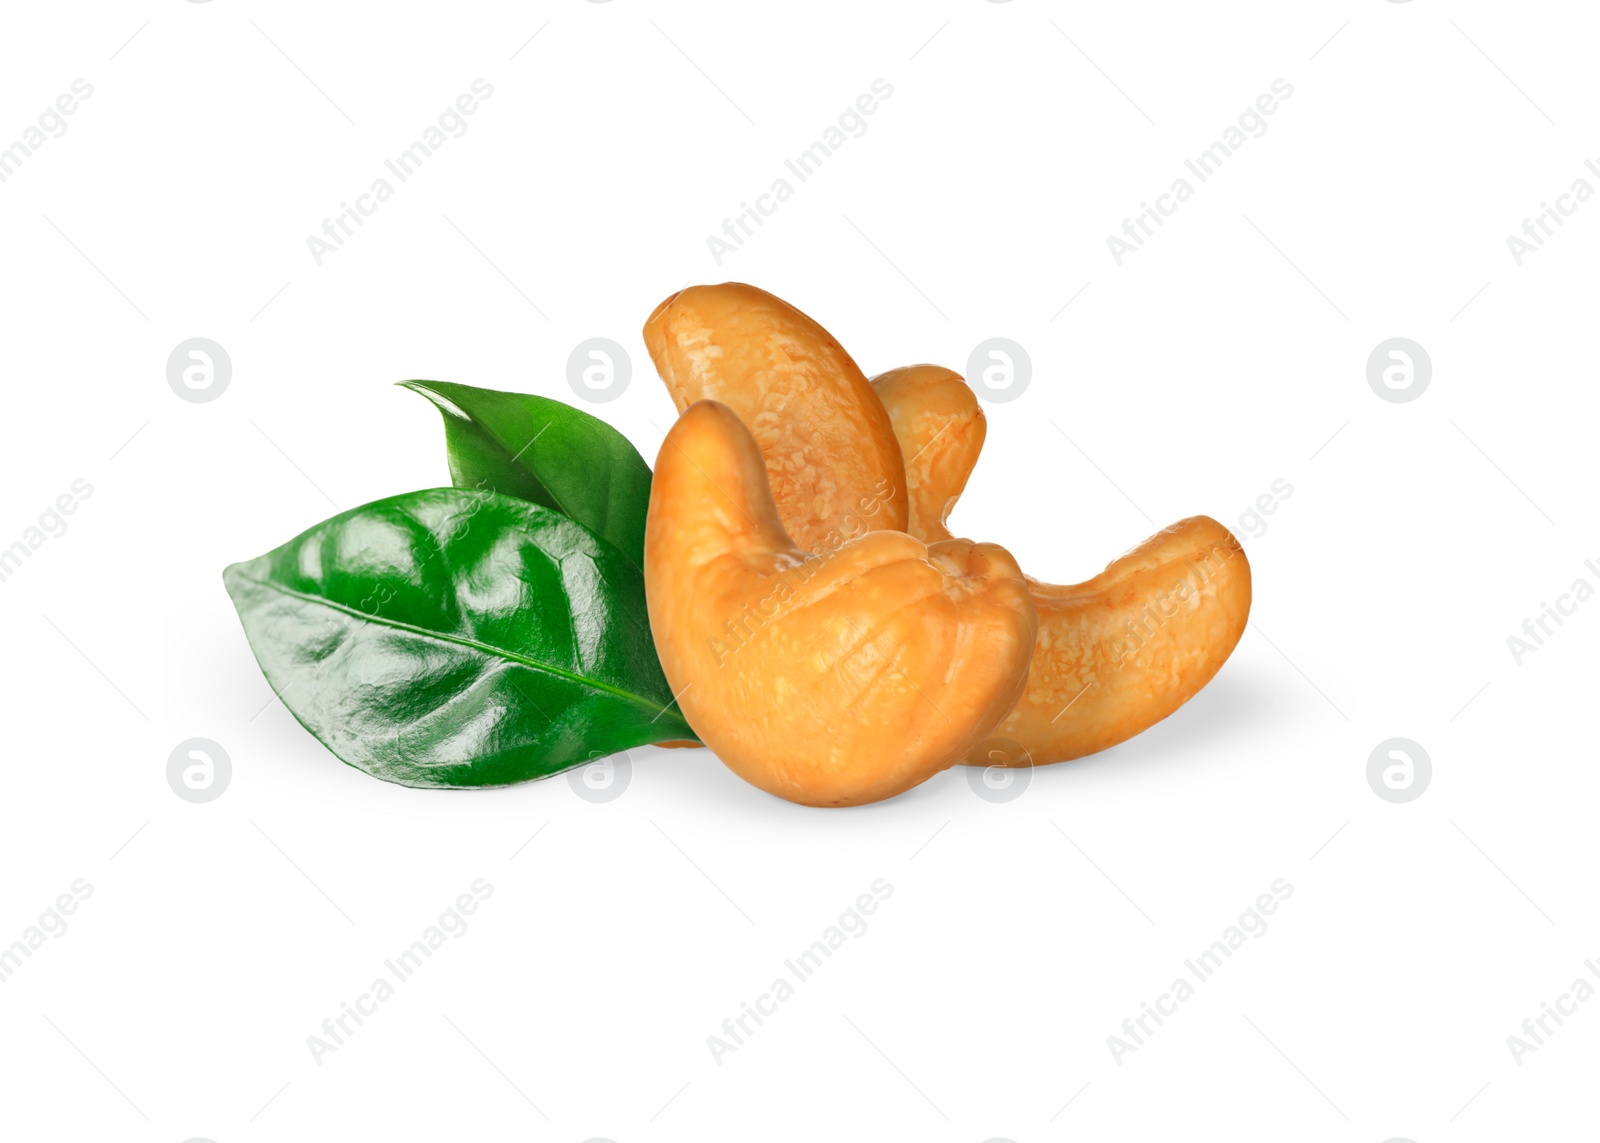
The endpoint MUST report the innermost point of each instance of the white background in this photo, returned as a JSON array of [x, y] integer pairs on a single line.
[[1226, 354]]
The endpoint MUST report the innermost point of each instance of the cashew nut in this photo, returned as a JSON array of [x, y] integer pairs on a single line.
[[834, 678], [1116, 654], [932, 406], [831, 455]]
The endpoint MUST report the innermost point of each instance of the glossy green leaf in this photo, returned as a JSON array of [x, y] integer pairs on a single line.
[[547, 452], [457, 638]]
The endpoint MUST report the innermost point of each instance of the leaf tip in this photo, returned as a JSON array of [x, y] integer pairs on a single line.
[[232, 579], [426, 389]]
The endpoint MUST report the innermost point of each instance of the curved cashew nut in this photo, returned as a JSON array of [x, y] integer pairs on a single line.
[[932, 406], [1116, 654], [828, 679], [832, 459]]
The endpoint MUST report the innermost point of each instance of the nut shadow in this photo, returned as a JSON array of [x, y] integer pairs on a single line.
[[1232, 700]]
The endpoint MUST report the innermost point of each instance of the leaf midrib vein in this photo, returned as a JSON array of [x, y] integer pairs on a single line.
[[459, 641]]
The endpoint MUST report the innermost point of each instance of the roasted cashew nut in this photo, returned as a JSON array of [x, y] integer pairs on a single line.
[[932, 406], [1116, 654], [832, 458], [829, 679]]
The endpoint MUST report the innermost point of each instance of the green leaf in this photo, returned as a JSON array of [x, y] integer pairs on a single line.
[[547, 452], [457, 638]]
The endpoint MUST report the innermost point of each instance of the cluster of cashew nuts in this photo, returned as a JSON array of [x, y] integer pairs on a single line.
[[827, 636]]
